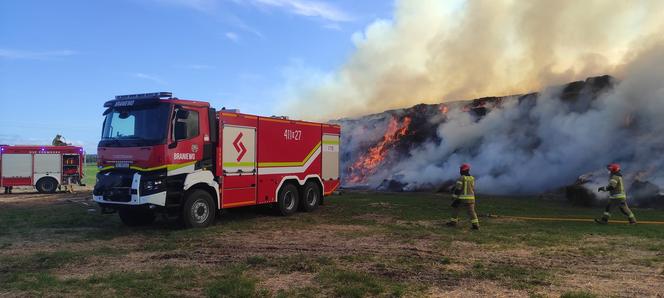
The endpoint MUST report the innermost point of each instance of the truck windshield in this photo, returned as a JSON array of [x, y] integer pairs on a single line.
[[136, 126]]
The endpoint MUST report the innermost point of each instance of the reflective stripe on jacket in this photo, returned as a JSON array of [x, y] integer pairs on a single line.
[[617, 188], [466, 185]]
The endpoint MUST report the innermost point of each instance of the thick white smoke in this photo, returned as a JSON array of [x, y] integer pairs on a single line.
[[433, 51], [546, 143]]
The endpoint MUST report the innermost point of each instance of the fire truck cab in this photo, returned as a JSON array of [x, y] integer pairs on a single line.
[[158, 153]]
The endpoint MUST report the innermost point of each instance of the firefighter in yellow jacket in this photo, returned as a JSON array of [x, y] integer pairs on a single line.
[[617, 196], [464, 197]]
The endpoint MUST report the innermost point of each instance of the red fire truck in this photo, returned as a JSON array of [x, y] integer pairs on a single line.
[[159, 153], [44, 167]]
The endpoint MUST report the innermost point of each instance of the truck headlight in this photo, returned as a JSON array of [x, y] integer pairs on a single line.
[[154, 185]]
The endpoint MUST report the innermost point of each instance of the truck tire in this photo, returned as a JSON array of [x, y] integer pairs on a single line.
[[135, 217], [311, 197], [47, 185], [199, 210], [288, 200]]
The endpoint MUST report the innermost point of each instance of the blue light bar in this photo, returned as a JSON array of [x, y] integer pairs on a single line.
[[145, 95], [137, 99]]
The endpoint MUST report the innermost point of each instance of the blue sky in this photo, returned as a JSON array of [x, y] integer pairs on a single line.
[[60, 60]]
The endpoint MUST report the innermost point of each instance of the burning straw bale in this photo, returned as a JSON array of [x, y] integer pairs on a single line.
[[646, 194], [580, 196], [482, 106], [391, 185], [521, 144], [369, 161], [446, 186], [579, 193]]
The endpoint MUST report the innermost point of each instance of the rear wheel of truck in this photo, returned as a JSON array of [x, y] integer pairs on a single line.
[[47, 185], [288, 199], [135, 217], [199, 210], [311, 196]]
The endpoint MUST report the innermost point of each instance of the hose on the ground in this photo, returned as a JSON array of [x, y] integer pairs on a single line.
[[647, 222]]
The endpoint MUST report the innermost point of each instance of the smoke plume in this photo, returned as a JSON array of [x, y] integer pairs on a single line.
[[434, 51], [530, 143]]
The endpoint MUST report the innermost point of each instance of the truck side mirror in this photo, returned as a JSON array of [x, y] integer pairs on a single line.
[[180, 132]]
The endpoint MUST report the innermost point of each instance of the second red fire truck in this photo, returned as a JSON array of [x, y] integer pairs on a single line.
[[44, 167], [182, 157]]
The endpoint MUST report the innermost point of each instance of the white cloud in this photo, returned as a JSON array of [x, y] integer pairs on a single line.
[[148, 77], [232, 36], [308, 8], [214, 8], [34, 55], [240, 24], [325, 11]]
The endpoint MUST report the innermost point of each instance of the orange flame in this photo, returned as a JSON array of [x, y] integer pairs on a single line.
[[443, 109], [368, 163]]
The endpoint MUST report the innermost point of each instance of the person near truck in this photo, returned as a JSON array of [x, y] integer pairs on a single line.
[[57, 141], [71, 177], [617, 195], [463, 193]]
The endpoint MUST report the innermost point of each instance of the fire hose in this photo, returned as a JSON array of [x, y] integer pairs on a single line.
[[647, 222]]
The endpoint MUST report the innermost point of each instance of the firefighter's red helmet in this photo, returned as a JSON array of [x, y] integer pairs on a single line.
[[464, 167], [613, 167]]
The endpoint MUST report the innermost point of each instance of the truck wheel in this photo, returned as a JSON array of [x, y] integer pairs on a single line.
[[310, 197], [199, 209], [288, 199], [46, 185], [135, 217]]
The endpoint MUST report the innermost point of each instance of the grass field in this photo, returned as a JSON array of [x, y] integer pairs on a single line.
[[358, 244], [90, 171]]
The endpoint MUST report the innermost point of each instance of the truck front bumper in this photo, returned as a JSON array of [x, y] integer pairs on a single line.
[[114, 189], [158, 199]]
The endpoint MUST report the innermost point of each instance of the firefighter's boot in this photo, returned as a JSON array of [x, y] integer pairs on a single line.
[[602, 221], [452, 223], [475, 221], [632, 220]]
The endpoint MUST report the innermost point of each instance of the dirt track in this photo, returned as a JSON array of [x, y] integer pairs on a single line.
[[24, 196]]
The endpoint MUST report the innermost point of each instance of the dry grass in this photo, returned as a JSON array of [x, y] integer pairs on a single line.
[[356, 245]]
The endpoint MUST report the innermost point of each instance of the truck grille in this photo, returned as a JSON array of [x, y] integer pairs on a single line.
[[117, 194], [114, 186]]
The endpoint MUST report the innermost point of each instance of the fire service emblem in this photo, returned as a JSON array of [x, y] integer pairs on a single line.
[[239, 147]]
